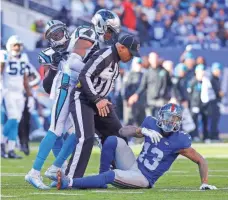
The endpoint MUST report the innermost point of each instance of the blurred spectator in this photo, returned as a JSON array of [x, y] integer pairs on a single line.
[[216, 70], [179, 89], [119, 91], [212, 41], [158, 30], [145, 62], [201, 60], [189, 62], [118, 8], [129, 16], [38, 26], [148, 10], [168, 65], [181, 30], [81, 6], [136, 113], [64, 16], [223, 33], [155, 82], [142, 27], [42, 42], [99, 5], [199, 103], [220, 15]]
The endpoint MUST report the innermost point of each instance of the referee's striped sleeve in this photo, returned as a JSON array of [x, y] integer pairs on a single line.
[[91, 69]]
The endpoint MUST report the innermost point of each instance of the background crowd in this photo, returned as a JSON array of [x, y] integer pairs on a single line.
[[158, 23]]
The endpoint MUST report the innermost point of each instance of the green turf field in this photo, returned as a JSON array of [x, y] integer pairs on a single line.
[[181, 182]]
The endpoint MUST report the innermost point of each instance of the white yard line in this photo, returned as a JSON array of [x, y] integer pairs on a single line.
[[12, 174], [55, 193], [187, 190], [189, 175], [116, 192], [4, 196]]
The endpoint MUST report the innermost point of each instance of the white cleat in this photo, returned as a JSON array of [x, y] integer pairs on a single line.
[[36, 181], [51, 173]]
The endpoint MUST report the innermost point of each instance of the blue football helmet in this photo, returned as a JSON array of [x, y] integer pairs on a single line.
[[170, 117]]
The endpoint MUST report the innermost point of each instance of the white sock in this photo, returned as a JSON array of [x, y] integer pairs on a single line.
[[70, 182], [65, 164], [35, 172], [11, 145]]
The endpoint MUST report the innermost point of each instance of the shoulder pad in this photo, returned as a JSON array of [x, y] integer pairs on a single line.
[[86, 32], [3, 56], [49, 51]]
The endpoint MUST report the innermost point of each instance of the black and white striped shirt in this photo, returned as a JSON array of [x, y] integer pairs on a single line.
[[97, 78]]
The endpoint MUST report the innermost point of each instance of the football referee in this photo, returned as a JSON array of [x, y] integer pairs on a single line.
[[89, 107]]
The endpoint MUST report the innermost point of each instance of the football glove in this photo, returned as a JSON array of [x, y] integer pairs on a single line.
[[205, 186], [153, 135]]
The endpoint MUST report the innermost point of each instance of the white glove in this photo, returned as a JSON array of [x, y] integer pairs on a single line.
[[205, 186], [31, 104], [154, 135]]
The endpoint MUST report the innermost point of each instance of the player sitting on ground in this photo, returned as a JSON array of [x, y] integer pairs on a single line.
[[163, 143]]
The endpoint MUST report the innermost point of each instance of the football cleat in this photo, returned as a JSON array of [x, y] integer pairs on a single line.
[[36, 181], [63, 181], [51, 173], [13, 155], [25, 148]]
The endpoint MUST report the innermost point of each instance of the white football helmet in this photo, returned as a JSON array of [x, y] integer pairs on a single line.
[[106, 21], [57, 34], [14, 39]]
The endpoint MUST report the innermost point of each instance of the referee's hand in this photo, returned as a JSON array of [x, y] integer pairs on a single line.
[[103, 108]]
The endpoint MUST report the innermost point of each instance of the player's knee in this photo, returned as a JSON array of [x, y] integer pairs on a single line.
[[57, 132], [110, 143]]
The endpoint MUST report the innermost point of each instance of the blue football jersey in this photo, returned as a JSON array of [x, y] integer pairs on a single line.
[[155, 159]]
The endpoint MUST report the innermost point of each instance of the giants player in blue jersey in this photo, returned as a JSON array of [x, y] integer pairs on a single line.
[[163, 143]]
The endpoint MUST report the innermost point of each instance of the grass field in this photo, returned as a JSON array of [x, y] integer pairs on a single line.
[[181, 182]]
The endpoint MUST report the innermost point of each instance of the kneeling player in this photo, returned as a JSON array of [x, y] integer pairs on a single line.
[[154, 160]]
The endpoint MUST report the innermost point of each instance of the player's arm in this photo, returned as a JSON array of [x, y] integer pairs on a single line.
[[26, 85], [2, 67], [194, 156], [138, 132], [131, 131], [48, 80], [3, 59], [33, 71], [81, 46]]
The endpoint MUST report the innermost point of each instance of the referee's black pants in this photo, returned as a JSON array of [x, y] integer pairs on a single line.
[[86, 120], [24, 125]]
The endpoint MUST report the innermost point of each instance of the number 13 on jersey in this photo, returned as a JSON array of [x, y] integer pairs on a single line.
[[144, 157]]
